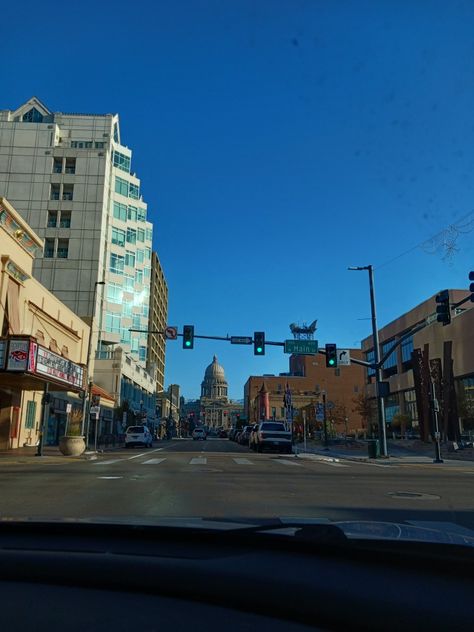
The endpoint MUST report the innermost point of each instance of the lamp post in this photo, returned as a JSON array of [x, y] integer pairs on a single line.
[[378, 370], [87, 394]]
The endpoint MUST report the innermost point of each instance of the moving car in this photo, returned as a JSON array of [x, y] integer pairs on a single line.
[[199, 434], [272, 435], [138, 435]]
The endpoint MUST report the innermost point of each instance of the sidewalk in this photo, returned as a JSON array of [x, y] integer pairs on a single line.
[[396, 456], [51, 452]]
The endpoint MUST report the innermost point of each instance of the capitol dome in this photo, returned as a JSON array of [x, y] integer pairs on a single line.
[[214, 385]]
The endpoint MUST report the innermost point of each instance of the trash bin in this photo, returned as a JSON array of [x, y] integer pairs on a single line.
[[373, 446]]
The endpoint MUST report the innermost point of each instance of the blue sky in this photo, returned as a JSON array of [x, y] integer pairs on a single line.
[[278, 142]]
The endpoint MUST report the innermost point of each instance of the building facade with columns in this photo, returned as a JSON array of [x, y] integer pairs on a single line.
[[216, 410]]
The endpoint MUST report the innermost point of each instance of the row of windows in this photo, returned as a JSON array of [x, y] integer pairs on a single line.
[[391, 363], [87, 144], [117, 263], [59, 219], [126, 188], [121, 161], [132, 213], [62, 192], [58, 248]]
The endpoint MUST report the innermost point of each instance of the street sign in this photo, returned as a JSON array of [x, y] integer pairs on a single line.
[[94, 412], [301, 347], [343, 357], [241, 340], [319, 412], [171, 333], [68, 408]]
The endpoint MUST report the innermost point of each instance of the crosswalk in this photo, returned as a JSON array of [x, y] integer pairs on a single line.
[[188, 460]]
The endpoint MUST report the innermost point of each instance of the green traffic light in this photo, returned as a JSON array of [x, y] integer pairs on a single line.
[[259, 349], [188, 343], [331, 361]]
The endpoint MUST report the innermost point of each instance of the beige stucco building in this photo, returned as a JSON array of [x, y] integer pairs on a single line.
[[43, 344]]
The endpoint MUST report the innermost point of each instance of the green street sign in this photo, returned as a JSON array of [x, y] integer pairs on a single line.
[[301, 347]]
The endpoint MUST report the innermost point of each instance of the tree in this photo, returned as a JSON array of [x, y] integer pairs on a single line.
[[365, 407]]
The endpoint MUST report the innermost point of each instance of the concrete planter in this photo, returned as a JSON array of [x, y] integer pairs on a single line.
[[72, 446]]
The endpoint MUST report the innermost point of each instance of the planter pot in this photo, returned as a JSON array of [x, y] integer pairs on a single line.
[[72, 446]]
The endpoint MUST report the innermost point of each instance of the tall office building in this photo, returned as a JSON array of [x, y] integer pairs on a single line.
[[71, 178], [158, 321]]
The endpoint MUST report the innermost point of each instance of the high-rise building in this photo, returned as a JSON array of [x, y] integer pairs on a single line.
[[71, 178], [158, 321]]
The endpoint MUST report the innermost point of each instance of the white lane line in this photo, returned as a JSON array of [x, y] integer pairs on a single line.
[[153, 461], [285, 462], [135, 456], [242, 461], [334, 464], [107, 462], [198, 460]]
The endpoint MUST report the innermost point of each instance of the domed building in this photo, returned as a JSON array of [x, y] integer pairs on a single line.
[[214, 385], [216, 409]]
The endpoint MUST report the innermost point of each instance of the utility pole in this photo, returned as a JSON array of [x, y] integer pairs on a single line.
[[435, 410], [378, 370], [43, 421]]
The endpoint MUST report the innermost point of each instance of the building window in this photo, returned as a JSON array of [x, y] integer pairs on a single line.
[[125, 336], [410, 405], [63, 248], [282, 413], [131, 236], [68, 191], [370, 357], [112, 323], [145, 311], [88, 144], [136, 321], [148, 253], [48, 248], [116, 263], [407, 349], [114, 293], [121, 186], [392, 407], [70, 165], [134, 191], [147, 273], [32, 116], [99, 145], [65, 220], [120, 211], [134, 345], [140, 234], [57, 165], [140, 255], [130, 258], [149, 234], [52, 219], [141, 215], [54, 195], [142, 354], [30, 415], [390, 364], [129, 282], [132, 213], [127, 309], [118, 236], [121, 161], [139, 276]]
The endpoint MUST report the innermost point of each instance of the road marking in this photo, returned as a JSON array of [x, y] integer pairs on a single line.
[[285, 462], [109, 478], [135, 456], [242, 461], [153, 461], [198, 460], [107, 462], [334, 464]]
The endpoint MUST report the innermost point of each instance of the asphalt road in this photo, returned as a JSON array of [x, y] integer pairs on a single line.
[[217, 478]]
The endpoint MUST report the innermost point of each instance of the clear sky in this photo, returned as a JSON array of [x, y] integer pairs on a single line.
[[278, 142]]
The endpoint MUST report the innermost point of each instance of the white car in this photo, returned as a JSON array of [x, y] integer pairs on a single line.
[[138, 435], [199, 434]]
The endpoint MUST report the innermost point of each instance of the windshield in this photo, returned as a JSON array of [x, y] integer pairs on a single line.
[[225, 217]]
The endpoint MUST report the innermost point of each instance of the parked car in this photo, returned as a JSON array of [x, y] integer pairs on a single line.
[[222, 434], [232, 433], [199, 434], [253, 437], [272, 435], [245, 435], [138, 435]]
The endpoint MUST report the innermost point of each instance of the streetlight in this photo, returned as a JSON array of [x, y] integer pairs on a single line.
[[87, 394], [378, 370]]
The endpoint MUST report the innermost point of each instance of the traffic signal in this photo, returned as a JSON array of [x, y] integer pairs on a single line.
[[188, 336], [331, 355], [259, 343], [471, 286], [443, 313]]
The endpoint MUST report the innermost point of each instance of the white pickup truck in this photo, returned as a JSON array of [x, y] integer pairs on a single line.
[[271, 435]]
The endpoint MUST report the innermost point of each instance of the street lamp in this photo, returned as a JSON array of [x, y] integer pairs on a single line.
[[87, 394], [378, 370]]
